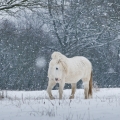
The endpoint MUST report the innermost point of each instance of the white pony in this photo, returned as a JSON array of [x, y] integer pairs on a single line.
[[69, 70]]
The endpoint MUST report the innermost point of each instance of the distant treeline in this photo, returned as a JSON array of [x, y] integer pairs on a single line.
[[84, 28]]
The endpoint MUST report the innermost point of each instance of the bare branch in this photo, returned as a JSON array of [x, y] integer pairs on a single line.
[[24, 3]]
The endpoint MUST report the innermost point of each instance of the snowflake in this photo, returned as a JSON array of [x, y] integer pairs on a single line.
[[40, 62]]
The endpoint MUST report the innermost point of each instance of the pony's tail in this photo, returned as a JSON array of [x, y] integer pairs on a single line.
[[90, 85]]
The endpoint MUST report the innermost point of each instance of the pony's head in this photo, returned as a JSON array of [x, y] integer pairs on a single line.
[[58, 70]]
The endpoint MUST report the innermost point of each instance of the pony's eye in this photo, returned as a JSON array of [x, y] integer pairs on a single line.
[[56, 68]]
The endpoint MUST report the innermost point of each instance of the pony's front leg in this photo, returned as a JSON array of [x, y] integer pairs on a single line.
[[61, 87], [73, 86], [51, 84]]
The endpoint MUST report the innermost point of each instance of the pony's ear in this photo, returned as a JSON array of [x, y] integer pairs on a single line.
[[53, 56], [56, 55]]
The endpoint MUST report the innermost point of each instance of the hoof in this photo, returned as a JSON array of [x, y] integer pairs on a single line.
[[71, 97], [52, 98], [90, 97]]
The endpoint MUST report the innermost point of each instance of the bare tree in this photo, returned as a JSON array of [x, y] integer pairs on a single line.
[[80, 24], [9, 4]]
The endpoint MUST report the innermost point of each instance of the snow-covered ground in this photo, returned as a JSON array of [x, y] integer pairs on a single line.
[[35, 105]]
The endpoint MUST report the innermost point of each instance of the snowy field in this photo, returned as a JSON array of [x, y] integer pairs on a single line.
[[35, 105]]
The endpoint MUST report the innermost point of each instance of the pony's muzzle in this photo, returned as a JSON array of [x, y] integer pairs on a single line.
[[56, 79]]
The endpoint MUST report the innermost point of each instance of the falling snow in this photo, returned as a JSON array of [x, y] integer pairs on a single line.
[[40, 62]]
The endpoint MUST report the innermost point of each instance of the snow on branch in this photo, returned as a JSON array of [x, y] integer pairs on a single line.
[[9, 4]]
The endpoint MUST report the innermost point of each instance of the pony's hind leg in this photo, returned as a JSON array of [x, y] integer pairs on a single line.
[[86, 89], [90, 87], [51, 84], [73, 87]]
